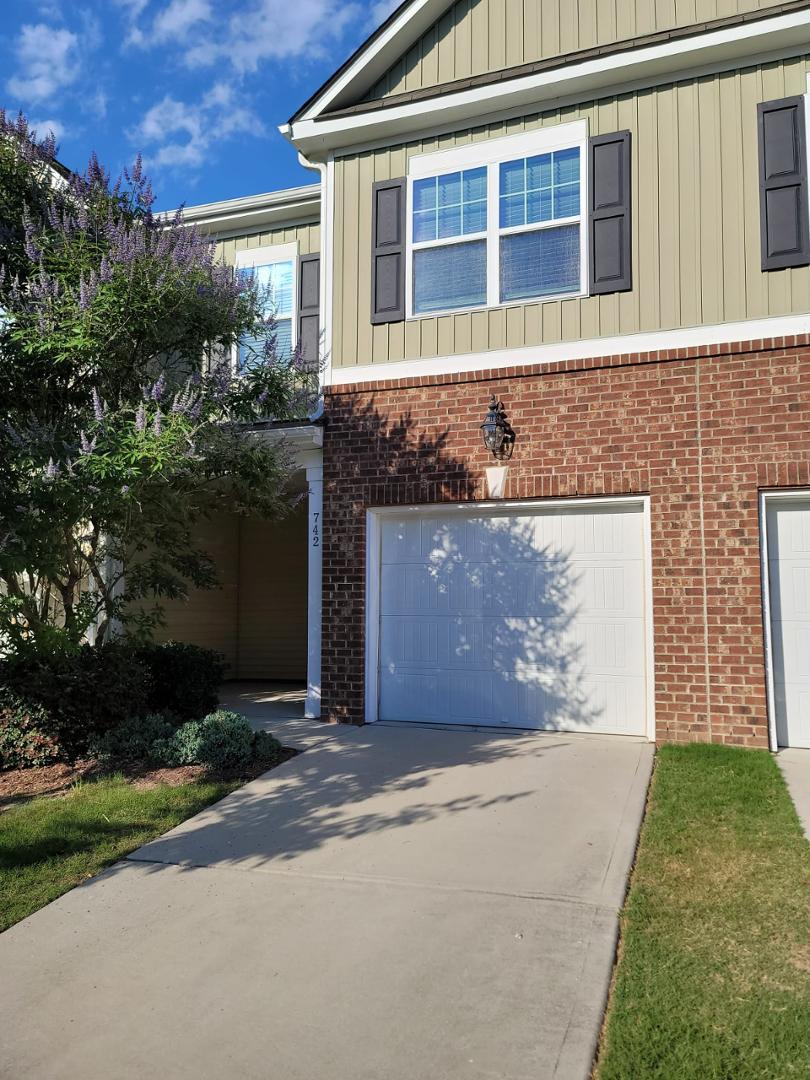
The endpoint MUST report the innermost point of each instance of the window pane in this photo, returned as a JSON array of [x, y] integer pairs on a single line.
[[475, 184], [277, 281], [251, 349], [424, 225], [475, 217], [450, 189], [540, 263], [539, 171], [513, 177], [566, 201], [424, 194], [513, 211], [460, 200], [566, 166], [446, 278], [449, 221], [538, 206]]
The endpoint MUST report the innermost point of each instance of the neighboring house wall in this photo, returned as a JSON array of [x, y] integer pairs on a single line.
[[210, 616], [257, 617], [272, 642], [701, 431], [476, 37], [696, 229], [307, 236]]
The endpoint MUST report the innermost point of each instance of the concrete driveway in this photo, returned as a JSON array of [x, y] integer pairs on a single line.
[[393, 904]]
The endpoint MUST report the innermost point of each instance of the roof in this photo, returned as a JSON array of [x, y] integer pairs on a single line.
[[403, 27], [252, 211], [336, 117]]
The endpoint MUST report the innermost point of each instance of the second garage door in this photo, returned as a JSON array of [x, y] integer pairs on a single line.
[[521, 619]]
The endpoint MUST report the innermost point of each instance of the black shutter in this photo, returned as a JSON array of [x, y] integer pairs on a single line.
[[783, 184], [309, 306], [388, 251], [609, 220]]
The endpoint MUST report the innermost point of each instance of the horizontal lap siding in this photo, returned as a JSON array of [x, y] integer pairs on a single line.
[[476, 37], [272, 640], [696, 246]]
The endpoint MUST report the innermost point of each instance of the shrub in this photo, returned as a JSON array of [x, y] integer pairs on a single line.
[[83, 694], [266, 748], [221, 740], [25, 739], [139, 739], [185, 678]]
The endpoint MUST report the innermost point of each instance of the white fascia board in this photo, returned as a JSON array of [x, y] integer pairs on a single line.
[[585, 349], [233, 216], [721, 49], [373, 62]]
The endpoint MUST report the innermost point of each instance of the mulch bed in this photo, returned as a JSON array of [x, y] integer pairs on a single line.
[[17, 785]]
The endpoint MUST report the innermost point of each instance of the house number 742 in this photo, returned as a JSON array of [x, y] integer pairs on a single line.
[[316, 536]]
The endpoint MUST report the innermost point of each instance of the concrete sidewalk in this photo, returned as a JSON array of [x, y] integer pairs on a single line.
[[394, 904], [795, 766]]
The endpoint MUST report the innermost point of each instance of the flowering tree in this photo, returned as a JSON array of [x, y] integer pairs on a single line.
[[122, 423]]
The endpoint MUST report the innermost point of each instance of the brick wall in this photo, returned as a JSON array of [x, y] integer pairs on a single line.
[[701, 430]]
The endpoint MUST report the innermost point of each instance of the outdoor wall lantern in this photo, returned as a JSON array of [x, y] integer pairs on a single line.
[[497, 432]]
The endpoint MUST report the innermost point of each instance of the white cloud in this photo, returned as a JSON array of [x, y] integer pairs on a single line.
[[260, 30], [46, 127], [132, 10], [179, 135], [47, 61], [178, 18]]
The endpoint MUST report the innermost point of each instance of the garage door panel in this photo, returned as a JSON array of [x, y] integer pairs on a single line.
[[791, 599], [413, 695], [532, 620], [791, 651]]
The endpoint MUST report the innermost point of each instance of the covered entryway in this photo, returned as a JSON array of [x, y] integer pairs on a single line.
[[264, 616], [527, 616], [787, 545]]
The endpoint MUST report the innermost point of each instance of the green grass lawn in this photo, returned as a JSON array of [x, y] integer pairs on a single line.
[[713, 981], [48, 845]]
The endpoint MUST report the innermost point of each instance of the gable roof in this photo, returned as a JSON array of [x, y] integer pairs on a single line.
[[326, 124], [368, 63]]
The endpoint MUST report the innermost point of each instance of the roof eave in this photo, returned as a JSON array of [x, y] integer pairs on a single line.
[[716, 50]]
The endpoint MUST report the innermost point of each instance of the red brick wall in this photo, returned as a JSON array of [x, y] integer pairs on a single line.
[[700, 430]]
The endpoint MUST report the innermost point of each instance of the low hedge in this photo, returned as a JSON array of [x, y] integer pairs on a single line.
[[185, 679], [24, 738], [73, 701], [222, 740]]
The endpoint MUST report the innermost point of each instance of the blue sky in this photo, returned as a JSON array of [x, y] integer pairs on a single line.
[[199, 86]]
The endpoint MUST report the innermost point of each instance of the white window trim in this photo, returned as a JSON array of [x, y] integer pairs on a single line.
[[766, 499], [250, 258], [491, 154]]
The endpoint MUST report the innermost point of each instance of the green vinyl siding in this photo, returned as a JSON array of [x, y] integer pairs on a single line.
[[476, 37], [696, 243]]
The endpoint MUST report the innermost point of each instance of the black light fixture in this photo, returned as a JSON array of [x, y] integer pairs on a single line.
[[497, 432]]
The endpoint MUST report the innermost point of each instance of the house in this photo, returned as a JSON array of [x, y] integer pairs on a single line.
[[598, 214]]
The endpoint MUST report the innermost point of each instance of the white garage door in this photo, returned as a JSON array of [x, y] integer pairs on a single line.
[[789, 574], [529, 620]]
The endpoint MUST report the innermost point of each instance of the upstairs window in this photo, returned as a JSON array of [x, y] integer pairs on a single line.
[[273, 270], [509, 229]]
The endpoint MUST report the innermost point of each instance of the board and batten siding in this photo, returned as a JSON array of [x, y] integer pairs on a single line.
[[696, 232], [476, 37], [307, 235]]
